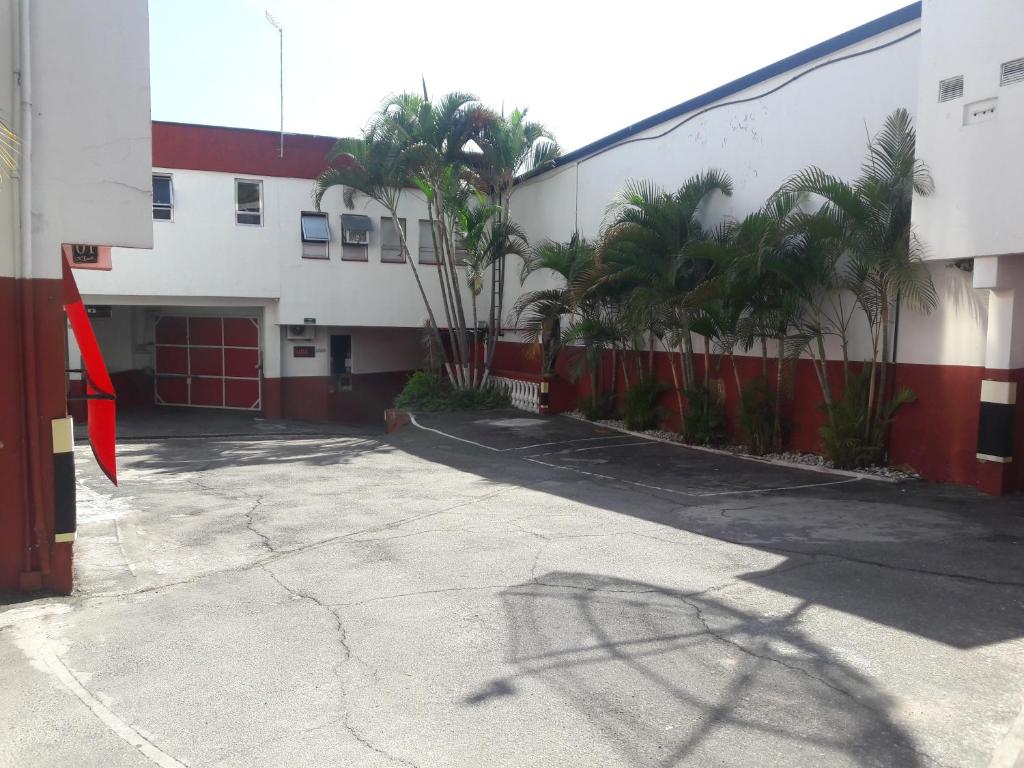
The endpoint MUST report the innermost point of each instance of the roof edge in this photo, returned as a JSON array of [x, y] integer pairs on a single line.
[[844, 40]]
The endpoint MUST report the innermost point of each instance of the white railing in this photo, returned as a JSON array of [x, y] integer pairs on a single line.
[[525, 395]]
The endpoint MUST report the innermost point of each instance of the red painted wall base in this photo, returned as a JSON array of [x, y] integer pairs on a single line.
[[29, 558], [936, 435]]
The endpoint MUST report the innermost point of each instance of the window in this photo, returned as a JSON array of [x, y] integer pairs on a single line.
[[248, 202], [355, 237], [341, 361], [427, 254], [461, 254], [163, 198], [390, 244], [316, 235]]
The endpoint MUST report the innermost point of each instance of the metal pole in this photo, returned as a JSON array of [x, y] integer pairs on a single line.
[[280, 49], [280, 78]]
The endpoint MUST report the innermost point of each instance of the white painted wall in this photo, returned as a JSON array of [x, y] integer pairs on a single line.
[[90, 141], [91, 145], [820, 119], [204, 253], [976, 208], [374, 350]]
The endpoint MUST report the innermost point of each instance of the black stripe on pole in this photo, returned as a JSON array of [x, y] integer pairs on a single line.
[[64, 512]]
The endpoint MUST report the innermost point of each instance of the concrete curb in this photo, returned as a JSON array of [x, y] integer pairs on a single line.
[[747, 457]]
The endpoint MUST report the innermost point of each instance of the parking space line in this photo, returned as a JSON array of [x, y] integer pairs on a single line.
[[597, 448], [577, 440], [677, 492], [637, 483], [412, 418]]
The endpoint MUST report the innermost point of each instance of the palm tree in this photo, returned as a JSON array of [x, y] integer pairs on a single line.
[[510, 147], [539, 313], [377, 167], [644, 250], [884, 263], [486, 238]]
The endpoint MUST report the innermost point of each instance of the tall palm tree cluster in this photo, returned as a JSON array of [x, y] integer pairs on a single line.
[[823, 257], [464, 159]]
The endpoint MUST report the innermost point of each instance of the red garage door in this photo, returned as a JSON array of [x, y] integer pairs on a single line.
[[211, 362]]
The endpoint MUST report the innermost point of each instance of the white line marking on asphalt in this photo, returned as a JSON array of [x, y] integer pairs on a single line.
[[687, 493], [453, 437], [30, 636], [630, 482], [567, 442], [783, 488], [596, 448]]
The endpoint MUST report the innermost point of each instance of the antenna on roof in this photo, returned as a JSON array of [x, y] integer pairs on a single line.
[[280, 48]]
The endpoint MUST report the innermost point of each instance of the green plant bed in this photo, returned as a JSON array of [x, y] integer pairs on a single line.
[[640, 409], [433, 392]]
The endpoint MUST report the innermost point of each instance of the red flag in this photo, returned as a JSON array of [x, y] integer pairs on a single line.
[[99, 388]]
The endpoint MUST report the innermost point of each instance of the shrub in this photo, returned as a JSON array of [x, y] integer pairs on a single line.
[[705, 416], [597, 408], [842, 436], [757, 416], [641, 410], [426, 391]]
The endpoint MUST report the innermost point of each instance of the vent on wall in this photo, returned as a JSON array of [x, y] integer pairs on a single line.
[[1012, 72], [951, 88]]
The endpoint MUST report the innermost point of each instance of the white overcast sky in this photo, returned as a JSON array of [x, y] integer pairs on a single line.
[[585, 69]]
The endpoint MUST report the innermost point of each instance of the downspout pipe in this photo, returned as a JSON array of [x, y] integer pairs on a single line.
[[35, 513]]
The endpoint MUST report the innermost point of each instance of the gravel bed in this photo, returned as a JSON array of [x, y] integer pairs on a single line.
[[790, 457]]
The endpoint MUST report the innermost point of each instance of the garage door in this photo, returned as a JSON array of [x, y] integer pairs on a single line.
[[211, 362]]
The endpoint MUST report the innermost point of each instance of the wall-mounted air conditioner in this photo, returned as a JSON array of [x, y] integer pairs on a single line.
[[356, 237], [301, 332]]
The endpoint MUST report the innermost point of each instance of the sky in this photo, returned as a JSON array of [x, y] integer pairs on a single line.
[[584, 69]]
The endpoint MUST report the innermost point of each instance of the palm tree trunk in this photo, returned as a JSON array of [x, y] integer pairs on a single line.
[[826, 389], [880, 404], [777, 426], [689, 376], [764, 358], [625, 371], [869, 414], [615, 372], [423, 294], [679, 392], [707, 362]]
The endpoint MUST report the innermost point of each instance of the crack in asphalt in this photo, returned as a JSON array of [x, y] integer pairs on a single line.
[[345, 718]]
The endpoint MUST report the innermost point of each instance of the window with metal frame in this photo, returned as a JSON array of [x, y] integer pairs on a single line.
[[355, 237], [163, 197], [427, 254], [316, 235], [390, 243], [249, 201]]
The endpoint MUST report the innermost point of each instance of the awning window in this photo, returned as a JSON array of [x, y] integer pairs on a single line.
[[355, 223], [315, 228]]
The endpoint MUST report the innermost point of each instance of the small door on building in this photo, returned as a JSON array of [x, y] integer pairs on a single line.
[[211, 362], [341, 362]]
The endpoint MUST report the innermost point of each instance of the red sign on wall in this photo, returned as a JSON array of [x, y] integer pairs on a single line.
[[304, 351]]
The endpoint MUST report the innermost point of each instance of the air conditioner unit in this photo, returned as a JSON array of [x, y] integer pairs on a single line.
[[355, 237], [301, 332]]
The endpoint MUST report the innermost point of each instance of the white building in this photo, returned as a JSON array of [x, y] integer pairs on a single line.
[[249, 298], [956, 66]]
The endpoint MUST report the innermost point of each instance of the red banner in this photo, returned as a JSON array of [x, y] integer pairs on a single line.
[[98, 387]]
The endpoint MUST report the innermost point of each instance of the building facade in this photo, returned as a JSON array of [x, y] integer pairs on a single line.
[[75, 89], [250, 299]]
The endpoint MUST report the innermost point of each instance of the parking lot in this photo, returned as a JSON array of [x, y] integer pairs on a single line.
[[490, 589]]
